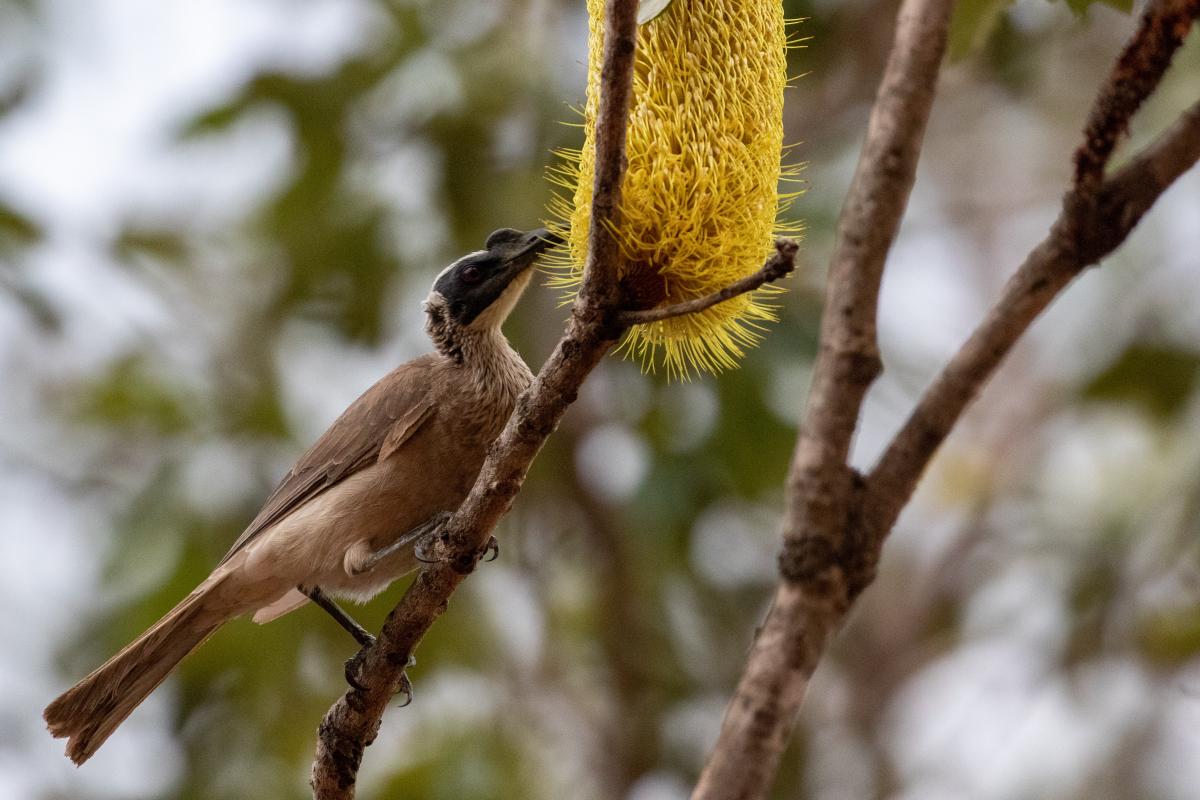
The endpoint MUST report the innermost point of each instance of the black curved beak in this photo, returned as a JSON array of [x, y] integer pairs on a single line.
[[538, 241], [519, 250]]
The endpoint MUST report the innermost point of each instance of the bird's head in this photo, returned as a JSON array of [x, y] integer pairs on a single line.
[[478, 291]]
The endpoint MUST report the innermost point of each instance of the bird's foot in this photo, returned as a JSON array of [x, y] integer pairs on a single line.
[[406, 688], [417, 538], [428, 545], [354, 670], [354, 667], [492, 549]]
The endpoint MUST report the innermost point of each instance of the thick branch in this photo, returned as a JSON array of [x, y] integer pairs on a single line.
[[352, 723], [779, 264], [813, 595]]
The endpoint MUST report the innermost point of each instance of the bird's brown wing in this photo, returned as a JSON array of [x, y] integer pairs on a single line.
[[374, 427]]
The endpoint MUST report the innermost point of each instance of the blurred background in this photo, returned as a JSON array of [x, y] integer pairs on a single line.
[[217, 221]]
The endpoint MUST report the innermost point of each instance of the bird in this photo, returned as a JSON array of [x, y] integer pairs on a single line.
[[347, 519]]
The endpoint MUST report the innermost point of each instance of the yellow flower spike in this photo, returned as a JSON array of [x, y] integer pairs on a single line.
[[700, 199]]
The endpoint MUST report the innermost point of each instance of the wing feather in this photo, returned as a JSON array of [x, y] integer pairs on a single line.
[[373, 428]]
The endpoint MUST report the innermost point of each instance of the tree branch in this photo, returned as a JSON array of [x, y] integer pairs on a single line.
[[779, 264], [1074, 243], [813, 594], [353, 721], [837, 521], [1133, 78]]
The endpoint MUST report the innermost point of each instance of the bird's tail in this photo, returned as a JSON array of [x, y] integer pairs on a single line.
[[90, 711]]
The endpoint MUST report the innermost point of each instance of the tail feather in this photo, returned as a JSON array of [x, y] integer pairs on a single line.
[[88, 713]]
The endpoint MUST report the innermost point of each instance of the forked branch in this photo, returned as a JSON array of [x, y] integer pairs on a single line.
[[837, 520], [814, 594]]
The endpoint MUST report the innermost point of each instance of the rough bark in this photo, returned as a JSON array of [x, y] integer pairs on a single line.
[[353, 721], [598, 319]]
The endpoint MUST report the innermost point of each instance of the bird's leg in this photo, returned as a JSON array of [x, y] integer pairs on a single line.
[[371, 560], [331, 608], [421, 536]]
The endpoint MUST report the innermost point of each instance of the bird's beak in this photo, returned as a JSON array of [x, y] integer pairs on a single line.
[[524, 250], [537, 242]]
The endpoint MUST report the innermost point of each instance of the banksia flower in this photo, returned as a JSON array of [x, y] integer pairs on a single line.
[[700, 198]]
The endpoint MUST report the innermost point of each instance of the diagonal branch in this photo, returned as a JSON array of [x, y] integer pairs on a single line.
[[779, 264], [1074, 243], [353, 721], [813, 594]]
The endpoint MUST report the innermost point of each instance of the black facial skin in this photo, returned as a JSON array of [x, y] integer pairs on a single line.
[[477, 280]]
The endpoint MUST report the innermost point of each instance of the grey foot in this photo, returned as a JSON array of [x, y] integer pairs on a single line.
[[412, 539], [353, 673], [353, 670], [427, 547], [406, 689], [492, 548]]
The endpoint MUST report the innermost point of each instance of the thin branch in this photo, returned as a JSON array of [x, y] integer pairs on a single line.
[[1121, 201], [353, 721], [813, 593], [601, 289], [779, 264], [1132, 79]]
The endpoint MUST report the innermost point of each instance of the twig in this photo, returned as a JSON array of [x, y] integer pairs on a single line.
[[1133, 78], [353, 721], [779, 264], [836, 527], [813, 594], [1072, 245]]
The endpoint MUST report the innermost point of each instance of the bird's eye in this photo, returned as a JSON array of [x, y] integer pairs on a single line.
[[471, 274]]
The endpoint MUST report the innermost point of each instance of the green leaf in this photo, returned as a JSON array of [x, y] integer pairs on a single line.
[[215, 120], [973, 22], [162, 244], [17, 227], [1171, 637], [1080, 7], [1158, 379], [131, 395]]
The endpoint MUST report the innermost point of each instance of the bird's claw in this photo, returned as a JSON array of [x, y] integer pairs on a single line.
[[430, 540], [492, 549], [406, 689], [353, 672], [354, 667]]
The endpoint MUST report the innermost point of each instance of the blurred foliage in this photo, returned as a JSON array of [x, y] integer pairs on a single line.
[[17, 228], [130, 394], [594, 658], [1172, 638], [975, 21], [1159, 380]]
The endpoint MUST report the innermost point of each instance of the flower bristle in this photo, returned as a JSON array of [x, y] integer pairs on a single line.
[[701, 202]]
